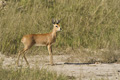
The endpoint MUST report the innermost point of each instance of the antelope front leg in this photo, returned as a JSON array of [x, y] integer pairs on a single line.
[[50, 53]]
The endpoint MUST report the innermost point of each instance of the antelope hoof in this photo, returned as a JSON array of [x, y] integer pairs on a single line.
[[52, 64], [28, 65]]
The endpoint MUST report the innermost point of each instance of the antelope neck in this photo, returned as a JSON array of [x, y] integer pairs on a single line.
[[54, 33]]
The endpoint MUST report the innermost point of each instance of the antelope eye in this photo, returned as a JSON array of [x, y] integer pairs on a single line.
[[56, 26]]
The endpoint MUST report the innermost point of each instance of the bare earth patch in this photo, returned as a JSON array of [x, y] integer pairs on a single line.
[[74, 70]]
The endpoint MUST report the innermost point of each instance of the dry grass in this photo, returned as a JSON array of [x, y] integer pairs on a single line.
[[31, 74], [86, 23]]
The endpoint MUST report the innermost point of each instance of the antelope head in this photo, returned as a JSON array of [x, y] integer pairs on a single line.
[[56, 25]]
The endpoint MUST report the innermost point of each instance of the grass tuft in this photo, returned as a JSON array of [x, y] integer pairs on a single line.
[[29, 74]]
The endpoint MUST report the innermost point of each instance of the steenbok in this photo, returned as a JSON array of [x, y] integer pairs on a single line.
[[40, 40]]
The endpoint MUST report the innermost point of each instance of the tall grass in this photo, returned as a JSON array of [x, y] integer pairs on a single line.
[[91, 24]]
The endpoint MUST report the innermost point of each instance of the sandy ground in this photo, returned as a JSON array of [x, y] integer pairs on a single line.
[[74, 70]]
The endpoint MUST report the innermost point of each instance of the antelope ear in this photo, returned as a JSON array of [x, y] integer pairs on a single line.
[[58, 22], [53, 21]]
